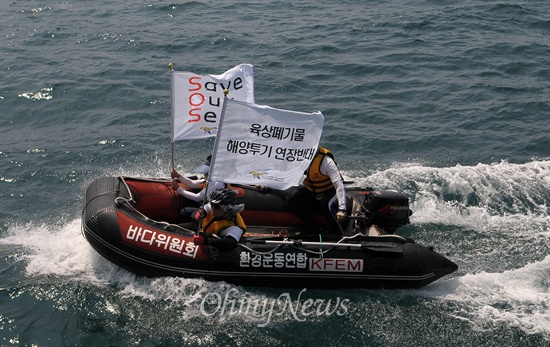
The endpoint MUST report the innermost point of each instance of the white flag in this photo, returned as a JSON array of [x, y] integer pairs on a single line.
[[197, 100], [260, 145]]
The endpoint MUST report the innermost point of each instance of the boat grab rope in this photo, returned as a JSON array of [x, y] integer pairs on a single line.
[[111, 192], [297, 246], [119, 200], [321, 252], [130, 199], [86, 205], [258, 252], [321, 245], [127, 188], [92, 199], [100, 195]]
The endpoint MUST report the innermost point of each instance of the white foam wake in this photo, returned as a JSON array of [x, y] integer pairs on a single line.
[[483, 197], [517, 298]]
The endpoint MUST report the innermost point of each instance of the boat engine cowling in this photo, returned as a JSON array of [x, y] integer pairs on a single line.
[[387, 209]]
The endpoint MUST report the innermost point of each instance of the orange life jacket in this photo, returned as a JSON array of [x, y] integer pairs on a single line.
[[214, 226], [315, 181]]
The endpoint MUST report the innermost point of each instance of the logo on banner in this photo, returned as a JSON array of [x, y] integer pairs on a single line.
[[257, 174], [210, 130], [265, 176]]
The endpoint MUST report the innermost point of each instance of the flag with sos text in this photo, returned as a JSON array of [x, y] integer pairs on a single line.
[[197, 100]]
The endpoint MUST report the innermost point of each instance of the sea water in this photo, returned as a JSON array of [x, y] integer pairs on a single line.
[[446, 102]]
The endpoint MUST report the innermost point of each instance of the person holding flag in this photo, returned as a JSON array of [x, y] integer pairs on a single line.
[[195, 107], [190, 201], [322, 186]]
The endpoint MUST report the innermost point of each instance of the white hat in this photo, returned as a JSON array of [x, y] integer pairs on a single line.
[[203, 169]]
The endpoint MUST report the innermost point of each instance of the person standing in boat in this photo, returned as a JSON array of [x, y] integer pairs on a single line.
[[322, 185], [221, 223]]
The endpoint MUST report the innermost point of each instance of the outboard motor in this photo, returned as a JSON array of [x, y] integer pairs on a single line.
[[387, 209]]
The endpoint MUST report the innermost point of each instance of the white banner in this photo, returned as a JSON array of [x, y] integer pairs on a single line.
[[260, 145], [197, 100]]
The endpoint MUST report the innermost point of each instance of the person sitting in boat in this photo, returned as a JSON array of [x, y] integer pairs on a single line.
[[221, 223], [322, 186], [192, 200]]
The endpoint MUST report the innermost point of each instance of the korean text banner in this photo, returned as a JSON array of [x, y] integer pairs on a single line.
[[260, 145], [197, 100]]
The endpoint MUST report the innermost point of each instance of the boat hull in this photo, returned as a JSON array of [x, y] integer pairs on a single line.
[[275, 257]]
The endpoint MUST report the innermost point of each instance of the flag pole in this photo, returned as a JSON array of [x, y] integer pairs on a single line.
[[213, 159], [217, 140], [172, 111]]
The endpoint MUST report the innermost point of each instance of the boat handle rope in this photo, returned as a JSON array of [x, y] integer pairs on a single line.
[[166, 224], [279, 246], [100, 195], [296, 245], [321, 252], [127, 188], [86, 205], [258, 252], [131, 198]]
